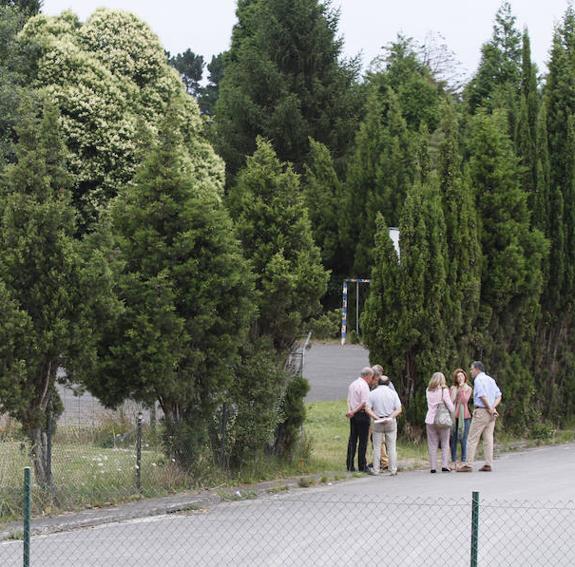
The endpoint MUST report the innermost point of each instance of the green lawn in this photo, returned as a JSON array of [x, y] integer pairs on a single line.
[[328, 429]]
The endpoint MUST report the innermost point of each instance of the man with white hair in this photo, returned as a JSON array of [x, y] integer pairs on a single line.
[[383, 405], [357, 396]]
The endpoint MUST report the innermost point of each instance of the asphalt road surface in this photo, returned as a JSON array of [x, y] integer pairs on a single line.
[[330, 368], [526, 518]]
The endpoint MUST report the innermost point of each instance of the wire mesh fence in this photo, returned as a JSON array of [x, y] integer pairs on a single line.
[[93, 461], [321, 529]]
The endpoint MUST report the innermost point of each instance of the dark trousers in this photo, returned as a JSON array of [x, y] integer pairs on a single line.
[[358, 432]]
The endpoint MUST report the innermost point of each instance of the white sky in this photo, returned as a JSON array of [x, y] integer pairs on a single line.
[[205, 25]]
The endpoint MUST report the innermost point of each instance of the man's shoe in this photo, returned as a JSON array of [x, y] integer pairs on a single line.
[[465, 468], [485, 468], [372, 472], [444, 469]]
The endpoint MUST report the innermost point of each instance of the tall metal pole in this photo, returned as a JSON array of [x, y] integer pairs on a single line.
[[357, 308], [344, 314]]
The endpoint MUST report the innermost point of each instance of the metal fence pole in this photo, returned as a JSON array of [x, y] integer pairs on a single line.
[[139, 451], [49, 445], [27, 511], [474, 528]]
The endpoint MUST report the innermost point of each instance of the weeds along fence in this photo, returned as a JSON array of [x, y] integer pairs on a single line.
[[319, 528], [93, 462]]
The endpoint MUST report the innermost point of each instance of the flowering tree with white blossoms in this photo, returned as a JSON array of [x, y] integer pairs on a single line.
[[110, 78]]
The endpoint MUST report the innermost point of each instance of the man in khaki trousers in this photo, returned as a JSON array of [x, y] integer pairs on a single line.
[[486, 398]]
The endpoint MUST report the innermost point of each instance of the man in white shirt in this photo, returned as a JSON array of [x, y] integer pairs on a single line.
[[486, 398], [357, 395], [383, 406]]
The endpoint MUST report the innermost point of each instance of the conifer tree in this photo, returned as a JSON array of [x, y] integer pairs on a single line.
[[285, 80], [323, 192], [526, 128], [463, 246], [47, 288], [272, 221], [382, 168], [405, 320], [513, 255], [187, 294], [497, 82]]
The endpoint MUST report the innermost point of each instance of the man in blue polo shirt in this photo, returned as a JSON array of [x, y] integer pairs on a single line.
[[486, 398]]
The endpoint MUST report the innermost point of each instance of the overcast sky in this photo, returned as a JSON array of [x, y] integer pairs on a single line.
[[366, 25]]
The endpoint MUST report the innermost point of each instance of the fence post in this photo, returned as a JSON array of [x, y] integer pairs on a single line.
[[27, 511], [139, 452], [474, 528]]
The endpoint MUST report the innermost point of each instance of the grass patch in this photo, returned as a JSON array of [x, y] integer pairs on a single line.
[[328, 429]]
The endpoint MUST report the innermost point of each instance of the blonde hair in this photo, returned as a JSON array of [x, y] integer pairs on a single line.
[[437, 381]]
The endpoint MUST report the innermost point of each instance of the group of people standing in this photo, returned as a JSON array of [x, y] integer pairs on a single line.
[[373, 404]]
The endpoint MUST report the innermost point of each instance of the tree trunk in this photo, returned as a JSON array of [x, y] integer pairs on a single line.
[[36, 426]]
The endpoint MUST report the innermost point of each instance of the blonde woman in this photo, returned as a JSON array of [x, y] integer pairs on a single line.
[[460, 394], [437, 393]]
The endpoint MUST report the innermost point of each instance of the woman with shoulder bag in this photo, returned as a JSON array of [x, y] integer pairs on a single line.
[[438, 421], [460, 394]]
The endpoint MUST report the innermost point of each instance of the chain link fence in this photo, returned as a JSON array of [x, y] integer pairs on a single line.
[[321, 529]]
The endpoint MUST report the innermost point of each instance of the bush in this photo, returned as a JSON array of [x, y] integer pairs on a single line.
[[542, 430], [327, 326], [293, 411]]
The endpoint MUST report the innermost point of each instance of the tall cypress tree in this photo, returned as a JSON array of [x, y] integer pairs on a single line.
[[382, 168], [285, 80], [187, 293], [405, 321], [323, 192], [463, 245], [272, 221], [513, 254]]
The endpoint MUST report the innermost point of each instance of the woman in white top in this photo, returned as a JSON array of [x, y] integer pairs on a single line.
[[437, 393]]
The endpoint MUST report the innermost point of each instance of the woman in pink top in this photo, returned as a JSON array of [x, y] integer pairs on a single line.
[[437, 393], [460, 394]]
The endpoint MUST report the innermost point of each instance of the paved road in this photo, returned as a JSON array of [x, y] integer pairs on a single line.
[[413, 519], [330, 368]]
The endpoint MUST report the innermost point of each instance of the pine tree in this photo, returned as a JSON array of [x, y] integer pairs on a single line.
[[187, 292], [285, 81], [272, 222]]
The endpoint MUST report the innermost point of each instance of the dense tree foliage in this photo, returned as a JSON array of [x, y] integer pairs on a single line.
[[47, 286], [123, 259], [110, 78], [186, 293], [268, 206], [284, 80]]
